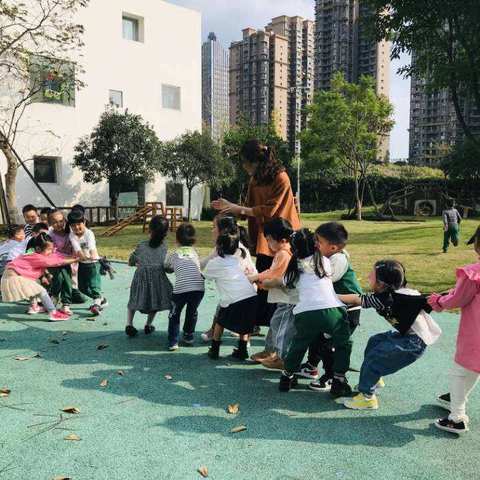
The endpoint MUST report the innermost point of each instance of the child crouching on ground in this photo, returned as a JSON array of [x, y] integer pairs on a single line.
[[189, 287], [386, 353], [465, 372], [20, 280], [238, 297], [85, 249], [318, 312], [151, 290], [277, 232]]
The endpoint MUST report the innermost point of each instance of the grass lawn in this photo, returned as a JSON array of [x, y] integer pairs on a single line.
[[418, 244]]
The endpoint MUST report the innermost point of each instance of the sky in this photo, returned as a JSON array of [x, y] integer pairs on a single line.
[[227, 18]]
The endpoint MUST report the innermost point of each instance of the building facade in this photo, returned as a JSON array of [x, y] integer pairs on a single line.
[[271, 76], [136, 58], [215, 79]]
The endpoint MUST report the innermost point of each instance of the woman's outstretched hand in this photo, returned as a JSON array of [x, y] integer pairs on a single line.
[[224, 206]]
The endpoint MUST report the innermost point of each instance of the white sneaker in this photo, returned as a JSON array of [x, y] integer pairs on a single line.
[[207, 336]]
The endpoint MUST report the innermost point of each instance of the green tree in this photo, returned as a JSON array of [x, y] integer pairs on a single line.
[[121, 148], [462, 162], [195, 159], [345, 126], [445, 40], [38, 43], [233, 140]]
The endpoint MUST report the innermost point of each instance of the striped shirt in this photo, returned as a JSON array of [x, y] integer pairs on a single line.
[[185, 263], [27, 228]]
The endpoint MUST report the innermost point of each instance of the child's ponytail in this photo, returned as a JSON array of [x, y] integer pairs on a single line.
[[158, 231], [41, 242], [303, 246]]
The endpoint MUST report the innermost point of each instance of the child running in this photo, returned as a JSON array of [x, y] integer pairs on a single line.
[[85, 249], [277, 232], [465, 371], [19, 282], [451, 225], [238, 297], [151, 290], [331, 239], [386, 353], [318, 312], [189, 287]]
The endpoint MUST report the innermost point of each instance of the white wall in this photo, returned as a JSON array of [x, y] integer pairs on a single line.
[[170, 54]]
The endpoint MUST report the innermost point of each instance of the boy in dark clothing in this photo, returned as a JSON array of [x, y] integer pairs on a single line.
[[451, 225]]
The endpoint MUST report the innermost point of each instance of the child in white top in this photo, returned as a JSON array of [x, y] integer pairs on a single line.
[[238, 297]]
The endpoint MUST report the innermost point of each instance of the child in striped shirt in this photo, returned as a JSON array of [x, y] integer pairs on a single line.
[[189, 287]]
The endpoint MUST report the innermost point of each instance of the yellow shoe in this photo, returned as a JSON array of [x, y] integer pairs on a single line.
[[380, 383], [360, 402]]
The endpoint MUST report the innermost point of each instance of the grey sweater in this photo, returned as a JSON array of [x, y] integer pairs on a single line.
[[451, 217]]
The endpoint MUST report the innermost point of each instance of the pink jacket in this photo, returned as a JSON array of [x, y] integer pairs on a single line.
[[33, 266], [465, 295]]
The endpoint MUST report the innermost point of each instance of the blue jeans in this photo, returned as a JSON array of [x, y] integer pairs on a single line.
[[179, 300], [387, 353]]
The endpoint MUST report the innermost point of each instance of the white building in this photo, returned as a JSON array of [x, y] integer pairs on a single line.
[[143, 55]]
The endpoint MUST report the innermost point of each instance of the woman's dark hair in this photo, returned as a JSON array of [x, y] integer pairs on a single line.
[[391, 273], [186, 235], [46, 210], [28, 208], [303, 246], [333, 232], [279, 229], [12, 230], [41, 242], [79, 207], [268, 167], [229, 224], [38, 227], [75, 216], [227, 243], [158, 230]]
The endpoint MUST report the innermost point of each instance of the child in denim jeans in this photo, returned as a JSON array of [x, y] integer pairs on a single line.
[[386, 353]]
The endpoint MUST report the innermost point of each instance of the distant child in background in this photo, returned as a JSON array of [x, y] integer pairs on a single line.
[[14, 246], [85, 249], [30, 215], [222, 223], [451, 225], [189, 286], [277, 232], [407, 312], [465, 371], [151, 290], [20, 280], [45, 213], [238, 297], [318, 312], [331, 239], [37, 229]]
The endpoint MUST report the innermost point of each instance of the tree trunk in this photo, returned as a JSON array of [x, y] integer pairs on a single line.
[[358, 201], [10, 182], [189, 211]]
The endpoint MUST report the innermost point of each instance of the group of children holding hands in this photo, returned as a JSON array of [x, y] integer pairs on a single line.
[[311, 283]]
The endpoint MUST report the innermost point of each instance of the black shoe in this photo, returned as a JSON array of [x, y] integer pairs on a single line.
[[240, 353], [450, 426], [77, 297], [148, 329], [187, 340], [257, 332], [131, 331], [214, 350], [444, 401], [323, 384], [287, 381], [340, 388]]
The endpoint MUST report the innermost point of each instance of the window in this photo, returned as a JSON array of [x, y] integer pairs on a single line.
[[171, 97], [174, 194], [132, 28], [45, 169], [116, 98]]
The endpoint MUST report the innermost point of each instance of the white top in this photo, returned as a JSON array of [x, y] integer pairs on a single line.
[[85, 244], [184, 262], [339, 264], [315, 293], [246, 263], [11, 249], [232, 283]]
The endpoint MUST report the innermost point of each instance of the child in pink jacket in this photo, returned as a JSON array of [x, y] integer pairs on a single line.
[[466, 369]]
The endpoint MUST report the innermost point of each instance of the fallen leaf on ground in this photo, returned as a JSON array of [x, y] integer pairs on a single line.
[[233, 409], [105, 324], [238, 429], [91, 319], [168, 377], [4, 392], [73, 437], [37, 355], [55, 341], [62, 478], [22, 359], [121, 373], [203, 471], [64, 333], [70, 409], [104, 383], [102, 346]]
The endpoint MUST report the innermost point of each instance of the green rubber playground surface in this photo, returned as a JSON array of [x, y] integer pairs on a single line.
[[166, 415]]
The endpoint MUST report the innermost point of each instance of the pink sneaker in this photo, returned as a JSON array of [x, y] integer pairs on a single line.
[[57, 316], [66, 310], [36, 309]]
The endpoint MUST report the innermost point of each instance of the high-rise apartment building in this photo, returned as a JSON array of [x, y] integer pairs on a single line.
[[215, 103], [271, 76]]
